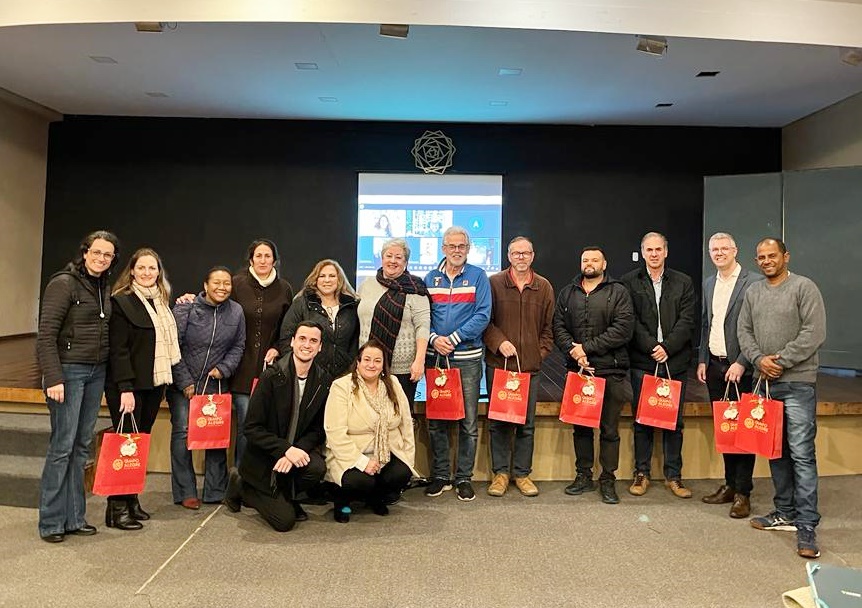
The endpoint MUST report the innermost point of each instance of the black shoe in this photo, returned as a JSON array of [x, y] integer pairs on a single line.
[[85, 530], [464, 490], [301, 515], [418, 482], [117, 515], [233, 494], [393, 498], [54, 538], [378, 508], [437, 487], [341, 513], [581, 484], [608, 492], [135, 510]]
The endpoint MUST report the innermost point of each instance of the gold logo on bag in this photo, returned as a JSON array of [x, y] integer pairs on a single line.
[[652, 401], [576, 398], [502, 394], [201, 422], [435, 393], [117, 464], [749, 423], [725, 426]]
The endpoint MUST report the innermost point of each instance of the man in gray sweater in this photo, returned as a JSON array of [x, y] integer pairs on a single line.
[[782, 325]]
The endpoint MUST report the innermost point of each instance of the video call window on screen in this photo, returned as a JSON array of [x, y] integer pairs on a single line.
[[419, 208]]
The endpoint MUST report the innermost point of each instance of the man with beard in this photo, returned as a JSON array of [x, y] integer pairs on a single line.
[[593, 323], [781, 328], [284, 427]]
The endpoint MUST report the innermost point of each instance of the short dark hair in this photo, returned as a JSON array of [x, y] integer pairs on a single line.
[[312, 324], [781, 246], [594, 248]]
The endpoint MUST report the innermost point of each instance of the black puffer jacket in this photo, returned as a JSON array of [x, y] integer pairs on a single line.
[[73, 326], [340, 339], [602, 321]]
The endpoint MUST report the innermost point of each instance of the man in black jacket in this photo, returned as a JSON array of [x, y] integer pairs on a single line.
[[593, 322], [664, 302], [284, 427]]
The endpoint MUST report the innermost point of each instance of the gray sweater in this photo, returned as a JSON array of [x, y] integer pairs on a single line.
[[788, 320]]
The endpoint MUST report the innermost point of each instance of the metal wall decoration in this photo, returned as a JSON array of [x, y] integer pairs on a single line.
[[433, 152]]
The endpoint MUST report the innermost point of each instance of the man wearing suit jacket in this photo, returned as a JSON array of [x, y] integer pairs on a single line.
[[284, 428], [720, 360]]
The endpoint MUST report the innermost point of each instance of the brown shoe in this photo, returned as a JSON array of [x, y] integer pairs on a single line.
[[499, 485], [722, 495], [526, 486], [679, 490], [639, 485], [192, 503], [741, 507]]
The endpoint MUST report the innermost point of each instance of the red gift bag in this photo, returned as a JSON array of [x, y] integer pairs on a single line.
[[209, 421], [582, 399], [509, 394], [761, 424], [725, 420], [659, 402], [256, 379], [445, 399], [122, 465]]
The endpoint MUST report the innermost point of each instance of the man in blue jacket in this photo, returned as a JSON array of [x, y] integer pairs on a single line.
[[460, 310]]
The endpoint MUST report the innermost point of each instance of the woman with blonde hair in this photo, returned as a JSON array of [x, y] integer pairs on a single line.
[[143, 347], [370, 448], [328, 299]]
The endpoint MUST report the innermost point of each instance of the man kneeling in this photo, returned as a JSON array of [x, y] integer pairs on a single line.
[[284, 428]]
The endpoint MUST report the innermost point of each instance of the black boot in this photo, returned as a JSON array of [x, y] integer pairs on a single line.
[[135, 510], [117, 515]]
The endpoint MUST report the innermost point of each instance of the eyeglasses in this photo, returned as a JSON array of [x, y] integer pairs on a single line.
[[721, 249], [101, 254], [520, 254], [459, 247]]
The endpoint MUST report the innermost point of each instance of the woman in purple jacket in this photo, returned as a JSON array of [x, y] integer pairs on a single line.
[[212, 339]]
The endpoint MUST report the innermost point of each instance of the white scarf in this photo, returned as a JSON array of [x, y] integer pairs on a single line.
[[167, 344], [382, 406], [269, 280]]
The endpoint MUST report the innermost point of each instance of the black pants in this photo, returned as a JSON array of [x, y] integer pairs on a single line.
[[618, 391], [147, 404], [358, 485], [278, 510], [738, 468], [671, 440], [409, 389]]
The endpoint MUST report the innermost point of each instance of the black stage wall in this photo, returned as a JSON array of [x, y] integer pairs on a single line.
[[199, 190]]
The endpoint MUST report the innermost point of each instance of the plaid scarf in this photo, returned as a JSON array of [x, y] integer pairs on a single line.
[[389, 310], [167, 344]]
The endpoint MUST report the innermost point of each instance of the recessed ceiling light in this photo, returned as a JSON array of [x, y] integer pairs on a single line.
[[850, 56], [663, 105], [707, 74], [102, 59], [498, 104], [152, 27], [328, 99], [509, 72], [303, 65], [156, 94], [394, 30], [652, 45]]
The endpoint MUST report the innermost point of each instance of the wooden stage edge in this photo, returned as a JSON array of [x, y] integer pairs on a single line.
[[31, 400]]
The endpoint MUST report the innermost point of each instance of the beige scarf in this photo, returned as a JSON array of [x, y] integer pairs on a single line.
[[383, 407], [269, 280], [167, 344]]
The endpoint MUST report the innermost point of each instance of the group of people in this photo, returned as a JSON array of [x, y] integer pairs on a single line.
[[324, 384]]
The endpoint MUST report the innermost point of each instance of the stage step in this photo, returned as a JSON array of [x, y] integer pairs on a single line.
[[19, 480]]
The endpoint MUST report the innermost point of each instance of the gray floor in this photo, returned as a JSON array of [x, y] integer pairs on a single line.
[[553, 550]]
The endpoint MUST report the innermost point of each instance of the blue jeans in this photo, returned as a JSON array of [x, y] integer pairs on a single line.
[[183, 479], [794, 475], [62, 503], [468, 427], [500, 434], [671, 441], [240, 409]]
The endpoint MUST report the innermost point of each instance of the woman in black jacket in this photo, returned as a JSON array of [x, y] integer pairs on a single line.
[[72, 348], [329, 300], [144, 345]]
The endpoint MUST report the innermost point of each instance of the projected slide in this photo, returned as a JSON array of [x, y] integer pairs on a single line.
[[419, 208]]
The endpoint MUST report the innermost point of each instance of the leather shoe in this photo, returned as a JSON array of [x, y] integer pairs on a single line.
[[300, 513], [609, 492], [741, 507], [526, 486], [85, 530], [499, 484], [191, 503], [722, 495], [678, 488], [54, 538]]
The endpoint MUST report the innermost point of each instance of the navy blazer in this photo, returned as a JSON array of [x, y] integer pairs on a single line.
[[731, 341]]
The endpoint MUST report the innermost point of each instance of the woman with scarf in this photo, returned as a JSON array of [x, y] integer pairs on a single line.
[[395, 310], [370, 448], [143, 347]]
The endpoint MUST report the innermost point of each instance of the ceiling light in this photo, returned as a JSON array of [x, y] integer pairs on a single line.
[[102, 59], [509, 72], [652, 45], [328, 99], [394, 30], [153, 27], [157, 94], [305, 65], [850, 56], [663, 104], [498, 104], [707, 74]]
